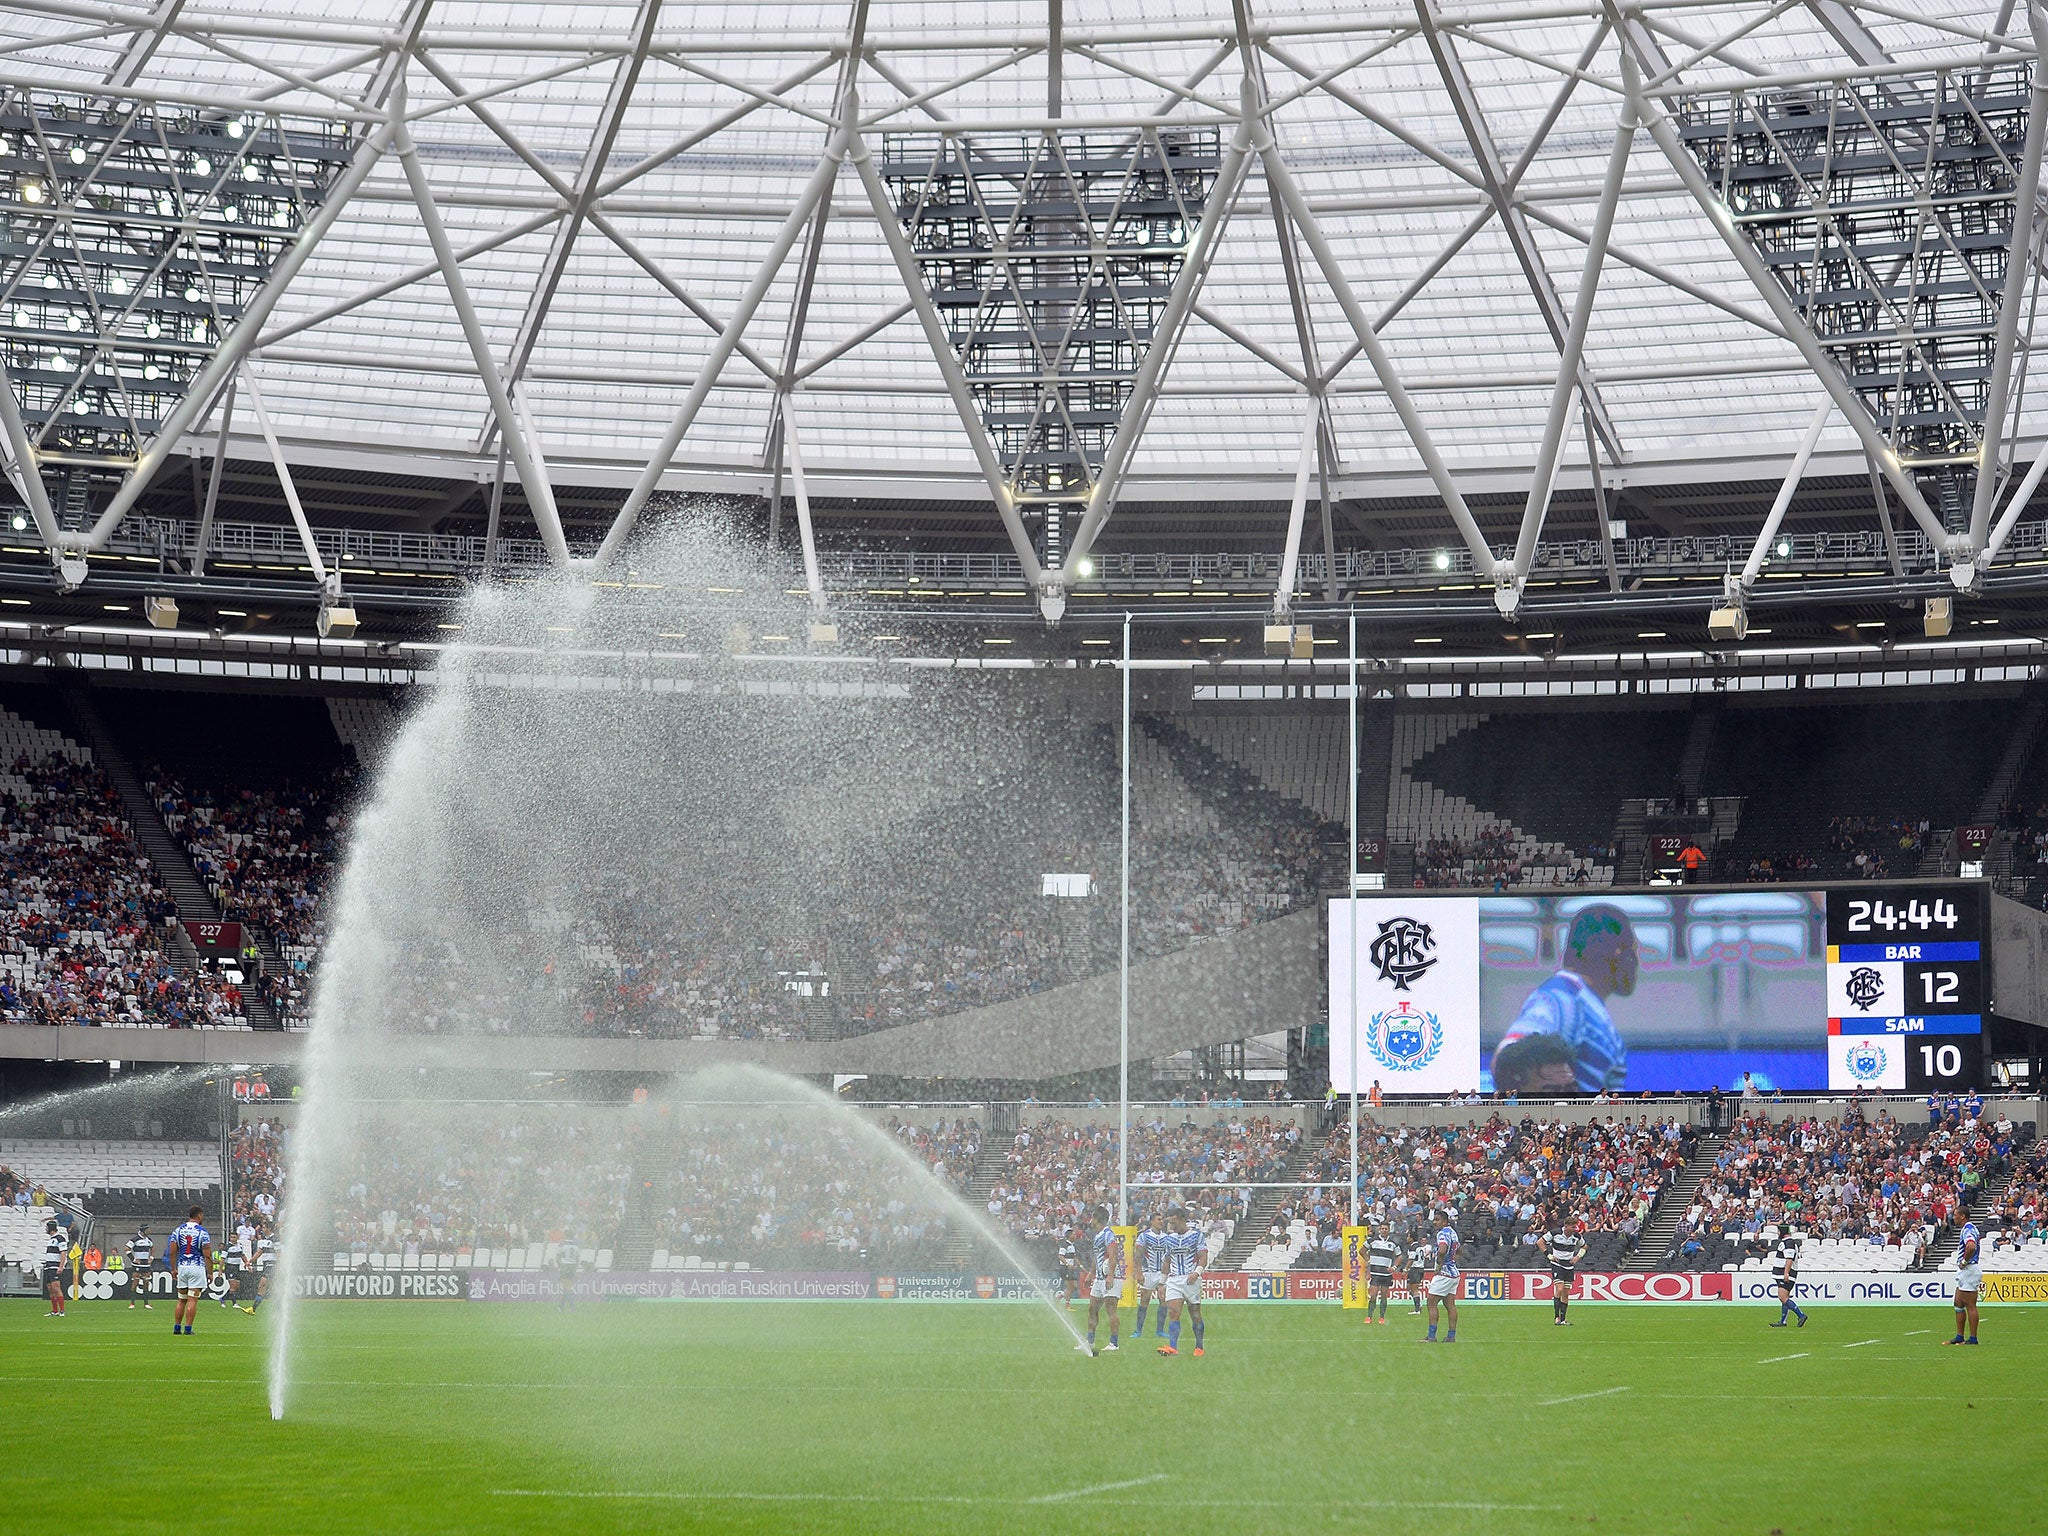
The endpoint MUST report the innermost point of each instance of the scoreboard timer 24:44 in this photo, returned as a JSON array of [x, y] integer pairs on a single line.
[[1907, 985]]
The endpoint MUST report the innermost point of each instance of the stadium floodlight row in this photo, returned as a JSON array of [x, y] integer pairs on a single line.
[[1507, 282]]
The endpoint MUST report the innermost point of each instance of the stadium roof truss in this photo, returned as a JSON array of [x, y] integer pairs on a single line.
[[1098, 253]]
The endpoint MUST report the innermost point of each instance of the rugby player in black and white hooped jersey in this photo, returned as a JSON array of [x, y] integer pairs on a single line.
[[1785, 1275], [1420, 1252], [1381, 1254], [1563, 1245], [1069, 1259], [141, 1261], [55, 1246]]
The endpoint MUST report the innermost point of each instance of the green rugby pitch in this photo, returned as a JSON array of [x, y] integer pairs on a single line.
[[943, 1417]]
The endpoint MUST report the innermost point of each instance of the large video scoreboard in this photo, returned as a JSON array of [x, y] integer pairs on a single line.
[[1878, 986], [1906, 987]]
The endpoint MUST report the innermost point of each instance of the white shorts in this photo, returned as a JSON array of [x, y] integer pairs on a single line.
[[191, 1277], [1107, 1290], [1184, 1288], [1443, 1285], [1152, 1279], [1970, 1277]]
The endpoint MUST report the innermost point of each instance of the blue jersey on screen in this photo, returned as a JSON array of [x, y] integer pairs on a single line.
[[188, 1241], [1109, 1255], [1183, 1253], [1447, 1252], [1566, 1007]]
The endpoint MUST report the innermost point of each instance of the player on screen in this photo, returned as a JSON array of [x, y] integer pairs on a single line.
[[1183, 1255], [1785, 1275], [141, 1260], [1152, 1246], [1564, 1039], [1443, 1285], [1381, 1254], [1563, 1245], [1108, 1288], [1969, 1281], [1419, 1254], [190, 1251]]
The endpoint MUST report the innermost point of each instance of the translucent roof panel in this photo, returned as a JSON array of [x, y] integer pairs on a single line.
[[620, 181]]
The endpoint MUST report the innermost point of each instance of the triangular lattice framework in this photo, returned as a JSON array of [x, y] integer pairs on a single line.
[[1052, 257], [1885, 208], [132, 236]]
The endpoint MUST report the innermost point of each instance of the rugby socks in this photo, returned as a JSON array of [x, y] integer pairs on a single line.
[[1432, 1336], [1173, 1334], [1139, 1331], [1198, 1333]]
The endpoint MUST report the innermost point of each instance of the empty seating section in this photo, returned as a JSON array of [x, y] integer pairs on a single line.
[[1560, 778], [21, 1238], [1302, 757], [1827, 782], [1458, 843], [80, 1169], [363, 725], [431, 1189]]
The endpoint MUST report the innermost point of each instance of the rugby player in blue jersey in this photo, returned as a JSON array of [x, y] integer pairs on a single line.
[[1564, 1039], [190, 1251], [1969, 1281], [1443, 1285], [1183, 1254], [1152, 1247], [1108, 1288]]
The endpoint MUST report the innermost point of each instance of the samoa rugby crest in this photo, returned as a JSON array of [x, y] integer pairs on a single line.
[[1866, 1061], [1404, 1038]]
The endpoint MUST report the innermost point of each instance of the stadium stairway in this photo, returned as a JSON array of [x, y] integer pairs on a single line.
[[173, 865], [1662, 1226], [1265, 1203], [1989, 1198], [988, 1167], [633, 1250]]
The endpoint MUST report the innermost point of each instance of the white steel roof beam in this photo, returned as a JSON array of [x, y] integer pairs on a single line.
[[1514, 223], [604, 133], [533, 476]]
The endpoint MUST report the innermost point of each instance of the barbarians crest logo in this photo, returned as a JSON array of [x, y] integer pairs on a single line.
[[1403, 1038], [1403, 951], [1865, 986], [1866, 1061]]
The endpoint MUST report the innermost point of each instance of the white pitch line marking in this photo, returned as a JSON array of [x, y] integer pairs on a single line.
[[1476, 1505], [1861, 1342], [1911, 1331], [1580, 1397], [1776, 1358], [1082, 1493]]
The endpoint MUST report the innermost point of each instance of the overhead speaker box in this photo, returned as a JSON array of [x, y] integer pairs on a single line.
[[1938, 617], [162, 612], [337, 621], [1728, 622], [1290, 641]]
